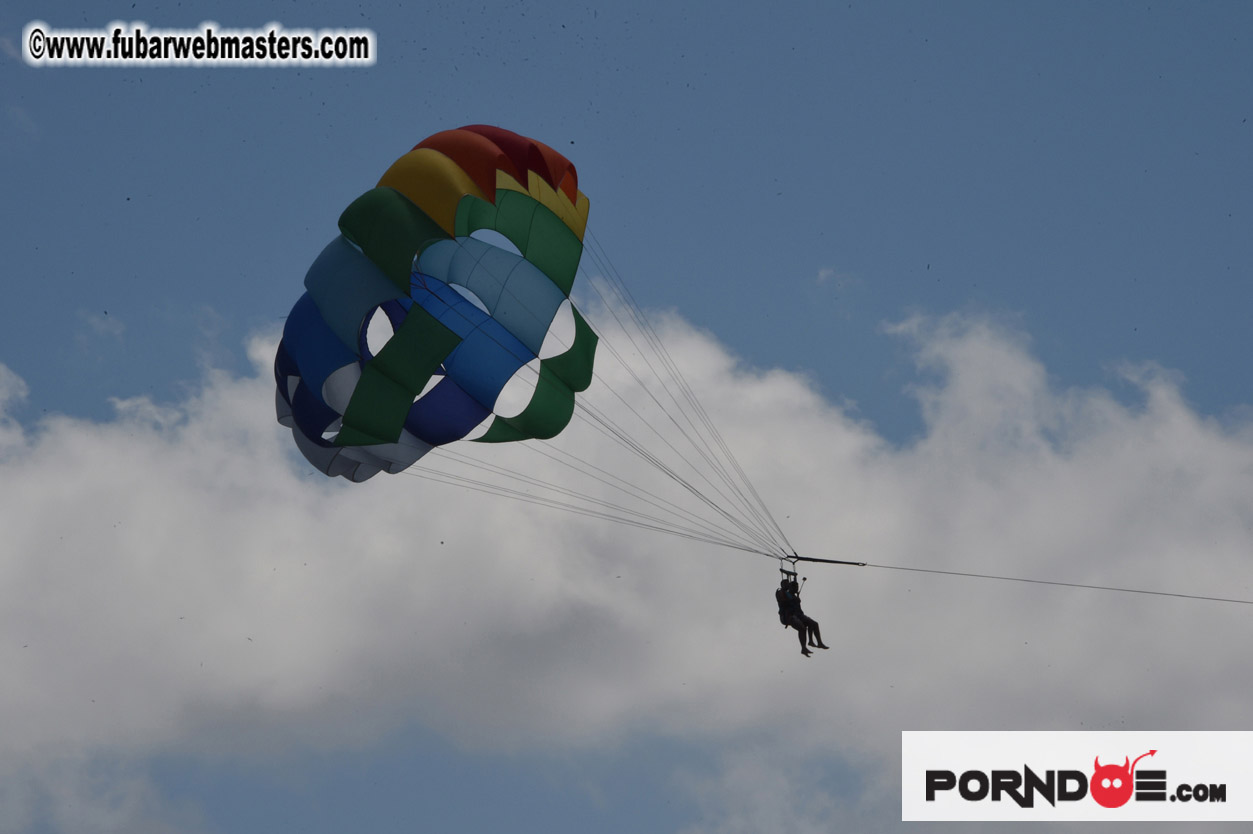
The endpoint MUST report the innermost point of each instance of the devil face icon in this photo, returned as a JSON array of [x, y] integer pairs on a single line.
[[1111, 785]]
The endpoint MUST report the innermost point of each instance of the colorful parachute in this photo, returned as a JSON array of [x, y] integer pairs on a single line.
[[411, 328]]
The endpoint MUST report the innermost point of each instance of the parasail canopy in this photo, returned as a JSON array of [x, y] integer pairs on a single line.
[[410, 328]]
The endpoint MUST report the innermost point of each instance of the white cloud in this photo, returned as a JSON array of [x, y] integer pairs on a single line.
[[176, 580], [763, 789], [74, 793], [103, 324], [836, 278], [13, 391]]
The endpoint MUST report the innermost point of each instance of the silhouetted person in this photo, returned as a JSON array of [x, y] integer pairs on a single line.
[[790, 614]]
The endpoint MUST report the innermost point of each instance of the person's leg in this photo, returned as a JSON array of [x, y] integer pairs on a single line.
[[815, 633], [801, 631]]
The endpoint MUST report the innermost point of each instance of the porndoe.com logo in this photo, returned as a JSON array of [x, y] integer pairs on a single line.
[[1008, 776], [1110, 785]]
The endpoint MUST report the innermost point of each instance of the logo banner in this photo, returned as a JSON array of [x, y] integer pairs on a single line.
[[1022, 776]]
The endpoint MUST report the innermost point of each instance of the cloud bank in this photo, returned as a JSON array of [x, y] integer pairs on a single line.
[[179, 582]]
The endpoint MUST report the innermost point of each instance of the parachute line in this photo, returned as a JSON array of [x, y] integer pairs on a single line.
[[610, 512], [743, 522], [1113, 588], [701, 433], [1027, 580]]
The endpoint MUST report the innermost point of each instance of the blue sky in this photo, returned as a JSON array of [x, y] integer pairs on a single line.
[[969, 281]]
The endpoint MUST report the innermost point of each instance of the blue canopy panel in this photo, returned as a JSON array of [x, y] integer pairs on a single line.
[[345, 286], [300, 407], [444, 414], [514, 290], [307, 355], [396, 310], [314, 349], [475, 371]]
